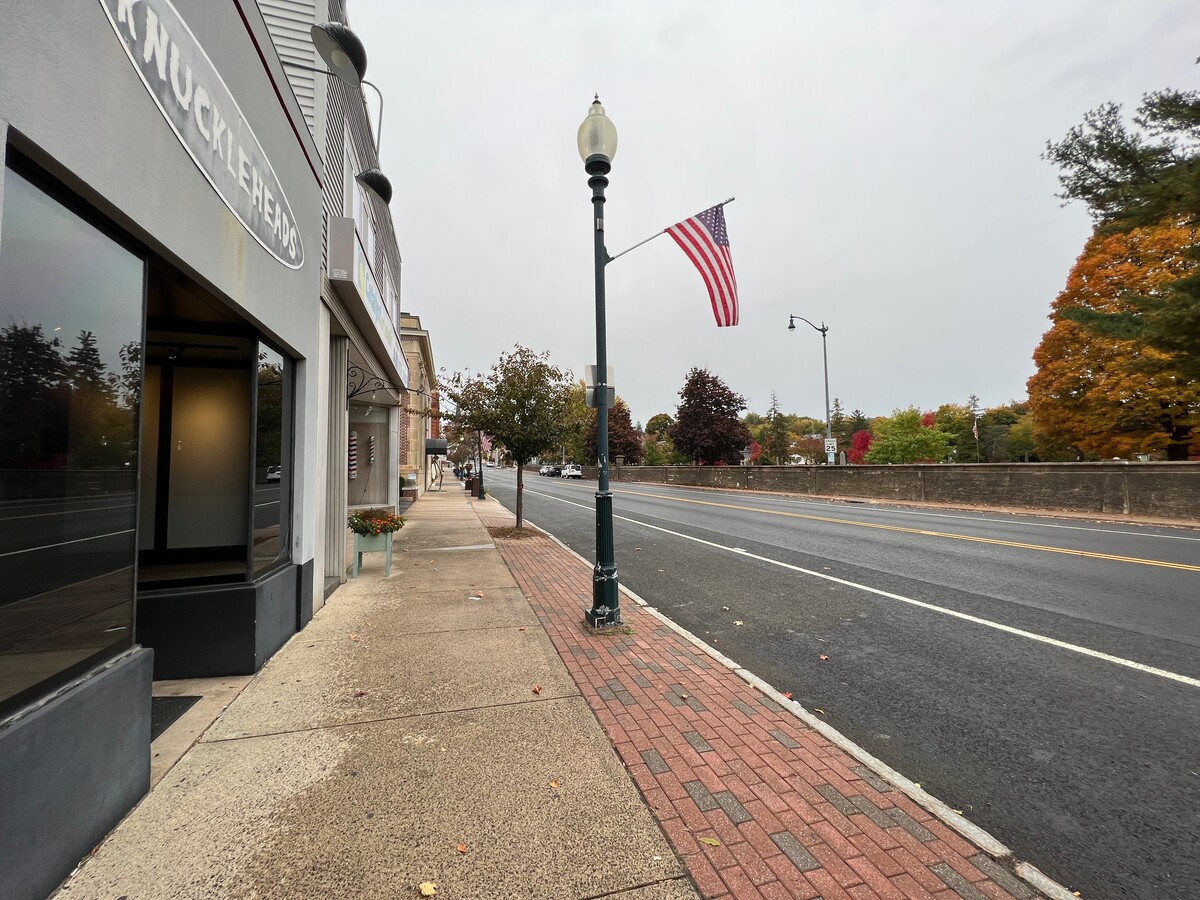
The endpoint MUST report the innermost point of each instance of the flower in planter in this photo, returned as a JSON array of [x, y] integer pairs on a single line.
[[374, 521]]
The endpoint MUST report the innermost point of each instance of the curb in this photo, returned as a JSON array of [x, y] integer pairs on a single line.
[[1029, 874]]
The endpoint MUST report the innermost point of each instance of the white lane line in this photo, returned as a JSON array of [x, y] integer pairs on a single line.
[[966, 617], [1001, 517], [96, 537]]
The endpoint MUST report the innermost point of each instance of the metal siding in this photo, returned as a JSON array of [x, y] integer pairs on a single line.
[[289, 22]]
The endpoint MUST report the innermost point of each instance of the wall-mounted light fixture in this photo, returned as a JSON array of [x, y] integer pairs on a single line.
[[343, 52]]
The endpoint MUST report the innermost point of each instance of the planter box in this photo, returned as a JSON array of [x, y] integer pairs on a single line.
[[373, 543]]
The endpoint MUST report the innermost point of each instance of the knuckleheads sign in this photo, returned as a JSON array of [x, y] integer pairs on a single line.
[[207, 120]]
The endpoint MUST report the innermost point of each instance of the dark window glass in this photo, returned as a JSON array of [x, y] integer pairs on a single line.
[[70, 378], [272, 460]]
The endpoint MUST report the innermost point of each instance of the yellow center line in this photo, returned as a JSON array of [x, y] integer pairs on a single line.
[[921, 531]]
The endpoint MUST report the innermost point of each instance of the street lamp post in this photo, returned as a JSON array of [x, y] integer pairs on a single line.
[[824, 329], [597, 141]]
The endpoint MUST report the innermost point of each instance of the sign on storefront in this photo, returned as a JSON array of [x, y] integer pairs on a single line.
[[201, 110]]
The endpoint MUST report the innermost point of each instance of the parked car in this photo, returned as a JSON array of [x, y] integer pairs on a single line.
[[572, 471], [274, 473], [545, 470]]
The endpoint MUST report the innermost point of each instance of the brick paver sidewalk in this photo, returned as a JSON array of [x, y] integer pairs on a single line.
[[756, 804]]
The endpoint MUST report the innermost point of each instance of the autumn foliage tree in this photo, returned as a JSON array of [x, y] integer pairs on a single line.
[[1136, 177], [707, 428], [1103, 396], [624, 439], [860, 443]]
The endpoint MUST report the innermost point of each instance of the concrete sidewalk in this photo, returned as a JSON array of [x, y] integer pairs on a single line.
[[421, 729], [455, 724]]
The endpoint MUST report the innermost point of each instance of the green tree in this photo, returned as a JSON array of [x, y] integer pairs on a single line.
[[707, 429], [659, 426], [838, 423], [1138, 178], [858, 421], [520, 404], [776, 439], [577, 419], [908, 436]]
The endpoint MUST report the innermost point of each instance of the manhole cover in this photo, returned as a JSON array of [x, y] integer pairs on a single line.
[[165, 710]]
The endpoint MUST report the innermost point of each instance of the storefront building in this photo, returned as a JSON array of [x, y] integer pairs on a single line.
[[421, 449], [364, 371], [161, 358]]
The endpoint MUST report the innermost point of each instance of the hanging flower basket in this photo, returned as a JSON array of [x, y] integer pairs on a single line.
[[371, 522]]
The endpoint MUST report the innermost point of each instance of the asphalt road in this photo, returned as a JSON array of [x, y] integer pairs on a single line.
[[1040, 674]]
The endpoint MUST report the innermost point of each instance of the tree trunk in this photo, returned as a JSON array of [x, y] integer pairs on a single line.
[[520, 491]]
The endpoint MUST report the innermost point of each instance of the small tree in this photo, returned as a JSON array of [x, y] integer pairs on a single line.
[[659, 426], [521, 404], [707, 428], [860, 443], [777, 437]]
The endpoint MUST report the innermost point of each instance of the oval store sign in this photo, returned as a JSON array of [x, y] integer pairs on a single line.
[[207, 120]]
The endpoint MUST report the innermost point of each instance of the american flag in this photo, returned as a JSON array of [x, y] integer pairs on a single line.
[[704, 239]]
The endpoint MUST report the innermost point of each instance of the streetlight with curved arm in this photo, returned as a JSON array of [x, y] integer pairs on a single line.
[[824, 330], [597, 141]]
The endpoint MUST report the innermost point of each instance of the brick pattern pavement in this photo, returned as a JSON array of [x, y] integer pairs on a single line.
[[755, 803]]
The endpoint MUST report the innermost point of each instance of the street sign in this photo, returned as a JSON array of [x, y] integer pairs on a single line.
[[589, 375], [610, 392], [831, 445]]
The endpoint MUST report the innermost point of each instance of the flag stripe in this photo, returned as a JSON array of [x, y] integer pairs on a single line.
[[704, 240], [702, 259], [714, 274]]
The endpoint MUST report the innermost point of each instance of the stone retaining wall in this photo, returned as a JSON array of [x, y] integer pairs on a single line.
[[1160, 489]]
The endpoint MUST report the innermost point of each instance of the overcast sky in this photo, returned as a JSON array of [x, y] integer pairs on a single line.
[[884, 157]]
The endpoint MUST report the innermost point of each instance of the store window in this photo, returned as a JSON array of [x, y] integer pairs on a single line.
[[368, 455], [71, 299], [272, 460], [217, 440]]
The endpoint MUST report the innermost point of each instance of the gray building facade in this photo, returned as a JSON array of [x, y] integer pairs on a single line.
[[160, 353]]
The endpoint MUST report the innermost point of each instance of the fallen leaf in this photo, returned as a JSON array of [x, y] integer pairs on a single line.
[[554, 784], [712, 842], [725, 608], [360, 693], [637, 549], [461, 848], [537, 688], [683, 696], [473, 597], [819, 710], [354, 635], [520, 629], [788, 694], [824, 657], [738, 622], [959, 811], [428, 888]]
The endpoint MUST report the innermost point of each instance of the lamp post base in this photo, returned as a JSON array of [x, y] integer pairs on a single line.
[[605, 611], [606, 601]]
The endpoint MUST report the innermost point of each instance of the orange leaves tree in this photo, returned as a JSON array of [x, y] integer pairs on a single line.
[[1097, 396]]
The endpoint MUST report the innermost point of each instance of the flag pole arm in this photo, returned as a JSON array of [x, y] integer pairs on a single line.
[[653, 236], [635, 246]]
